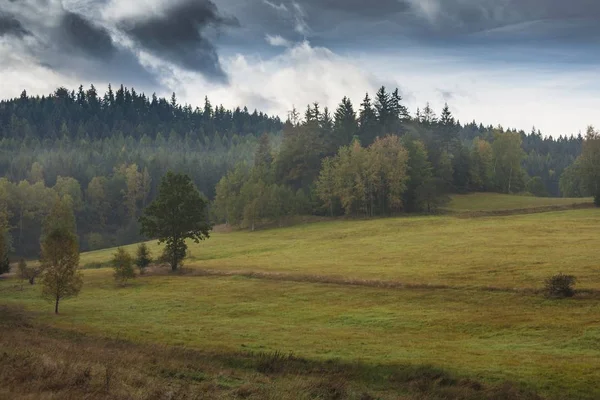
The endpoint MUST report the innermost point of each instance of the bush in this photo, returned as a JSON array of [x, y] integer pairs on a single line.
[[560, 286], [143, 258], [123, 264], [28, 273]]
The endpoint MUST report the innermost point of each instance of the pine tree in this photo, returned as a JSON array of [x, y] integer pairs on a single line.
[[368, 121], [345, 126], [143, 258]]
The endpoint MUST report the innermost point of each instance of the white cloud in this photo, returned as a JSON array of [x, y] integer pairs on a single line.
[[277, 41], [555, 101], [301, 75], [281, 7]]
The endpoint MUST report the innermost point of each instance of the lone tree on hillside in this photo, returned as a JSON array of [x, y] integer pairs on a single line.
[[178, 213], [61, 277]]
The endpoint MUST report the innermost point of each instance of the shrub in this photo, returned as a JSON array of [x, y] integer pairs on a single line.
[[560, 286], [123, 264], [143, 258], [28, 273]]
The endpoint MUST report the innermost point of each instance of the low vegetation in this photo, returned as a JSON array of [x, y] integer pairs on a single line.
[[57, 364], [560, 286], [122, 263]]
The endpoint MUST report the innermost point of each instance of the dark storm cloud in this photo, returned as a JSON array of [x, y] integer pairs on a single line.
[[9, 25], [179, 35], [84, 36], [82, 42], [348, 22]]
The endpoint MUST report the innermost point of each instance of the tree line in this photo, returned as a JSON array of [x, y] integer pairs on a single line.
[[91, 115], [105, 156], [378, 160]]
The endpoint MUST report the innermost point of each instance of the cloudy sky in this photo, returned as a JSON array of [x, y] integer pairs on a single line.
[[517, 63]]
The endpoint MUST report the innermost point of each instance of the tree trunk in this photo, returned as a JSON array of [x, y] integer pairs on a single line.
[[56, 305]]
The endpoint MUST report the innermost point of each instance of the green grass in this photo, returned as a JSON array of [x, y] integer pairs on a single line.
[[505, 252], [472, 331], [503, 202], [551, 346]]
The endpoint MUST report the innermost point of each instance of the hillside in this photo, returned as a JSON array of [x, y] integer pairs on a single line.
[[458, 294], [490, 202]]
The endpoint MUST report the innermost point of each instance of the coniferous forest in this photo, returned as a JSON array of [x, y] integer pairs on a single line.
[[101, 158]]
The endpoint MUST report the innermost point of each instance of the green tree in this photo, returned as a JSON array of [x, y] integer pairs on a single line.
[[420, 175], [97, 200], [61, 216], [589, 163], [264, 153], [325, 186], [28, 273], [508, 155], [368, 122], [5, 245], [572, 181], [178, 213], [481, 172], [536, 187], [4, 250], [143, 258], [36, 173], [122, 263], [345, 126], [67, 186], [61, 277]]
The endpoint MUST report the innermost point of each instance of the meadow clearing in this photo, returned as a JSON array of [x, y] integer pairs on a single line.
[[458, 294]]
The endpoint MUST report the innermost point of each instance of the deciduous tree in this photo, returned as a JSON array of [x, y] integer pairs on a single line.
[[178, 213], [61, 277], [122, 263]]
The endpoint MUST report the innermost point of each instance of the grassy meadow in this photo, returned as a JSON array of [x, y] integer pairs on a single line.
[[504, 202], [464, 300]]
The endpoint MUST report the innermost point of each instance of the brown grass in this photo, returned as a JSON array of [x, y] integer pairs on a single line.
[[38, 362]]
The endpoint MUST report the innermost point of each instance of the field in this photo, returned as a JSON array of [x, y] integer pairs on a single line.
[[503, 202], [453, 294]]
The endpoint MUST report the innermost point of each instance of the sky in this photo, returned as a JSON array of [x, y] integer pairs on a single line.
[[515, 63]]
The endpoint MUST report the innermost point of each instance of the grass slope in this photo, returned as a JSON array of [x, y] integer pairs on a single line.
[[508, 252], [465, 328], [503, 202]]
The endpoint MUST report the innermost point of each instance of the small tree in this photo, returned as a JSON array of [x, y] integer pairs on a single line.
[[28, 273], [143, 258], [560, 286], [178, 213], [61, 277], [4, 264], [123, 265], [4, 249]]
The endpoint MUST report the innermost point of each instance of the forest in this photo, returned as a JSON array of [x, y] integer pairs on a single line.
[[103, 156]]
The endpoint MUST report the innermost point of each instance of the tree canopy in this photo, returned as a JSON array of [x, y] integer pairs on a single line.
[[179, 212]]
